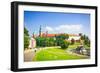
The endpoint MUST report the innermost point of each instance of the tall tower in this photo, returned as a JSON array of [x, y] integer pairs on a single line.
[[33, 35], [46, 33], [40, 31]]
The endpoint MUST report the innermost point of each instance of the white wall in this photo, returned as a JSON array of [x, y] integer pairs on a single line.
[[5, 36]]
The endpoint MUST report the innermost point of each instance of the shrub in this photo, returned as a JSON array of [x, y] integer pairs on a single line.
[[26, 41], [64, 44], [26, 38], [61, 37], [72, 41]]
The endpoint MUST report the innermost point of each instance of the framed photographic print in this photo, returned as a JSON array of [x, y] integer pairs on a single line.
[[52, 36]]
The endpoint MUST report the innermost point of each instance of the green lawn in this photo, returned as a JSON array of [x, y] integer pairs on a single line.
[[86, 47], [54, 53], [76, 45], [73, 46]]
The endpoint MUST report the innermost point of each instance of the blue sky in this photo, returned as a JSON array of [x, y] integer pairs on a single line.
[[54, 22]]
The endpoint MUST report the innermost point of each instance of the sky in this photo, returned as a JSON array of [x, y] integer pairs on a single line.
[[57, 22]]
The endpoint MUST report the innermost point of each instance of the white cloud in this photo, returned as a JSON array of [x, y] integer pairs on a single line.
[[49, 28], [72, 28]]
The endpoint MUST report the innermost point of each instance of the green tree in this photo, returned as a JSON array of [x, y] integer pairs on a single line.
[[26, 41], [72, 41], [60, 38], [26, 32], [64, 44], [63, 36], [48, 41], [26, 38], [40, 41], [45, 41], [86, 40], [51, 41]]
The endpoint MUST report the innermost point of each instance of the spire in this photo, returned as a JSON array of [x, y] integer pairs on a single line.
[[46, 33], [40, 31], [33, 35]]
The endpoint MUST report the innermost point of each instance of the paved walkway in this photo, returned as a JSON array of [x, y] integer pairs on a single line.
[[29, 55]]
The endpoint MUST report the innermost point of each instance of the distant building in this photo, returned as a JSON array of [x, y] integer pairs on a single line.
[[71, 36], [32, 43], [74, 36], [48, 35]]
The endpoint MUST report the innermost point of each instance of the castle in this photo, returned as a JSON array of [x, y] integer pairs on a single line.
[[32, 44], [76, 37]]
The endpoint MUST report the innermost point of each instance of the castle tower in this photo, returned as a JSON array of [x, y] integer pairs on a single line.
[[40, 31], [33, 35], [46, 33]]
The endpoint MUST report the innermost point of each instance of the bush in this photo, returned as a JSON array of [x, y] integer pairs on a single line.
[[26, 41], [26, 38], [72, 41], [44, 41], [64, 44], [61, 37]]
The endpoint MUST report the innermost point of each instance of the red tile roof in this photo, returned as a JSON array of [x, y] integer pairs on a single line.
[[53, 35], [48, 35]]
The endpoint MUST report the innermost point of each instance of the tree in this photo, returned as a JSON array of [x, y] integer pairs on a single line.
[[64, 44], [61, 37], [26, 41], [51, 41], [86, 40], [26, 38], [45, 41], [41, 41], [26, 32], [72, 41]]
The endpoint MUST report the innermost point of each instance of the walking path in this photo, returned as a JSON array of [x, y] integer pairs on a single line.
[[29, 55]]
